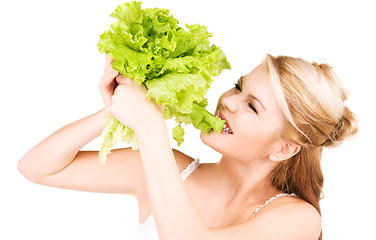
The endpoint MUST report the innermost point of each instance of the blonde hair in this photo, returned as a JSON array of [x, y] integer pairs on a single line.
[[311, 98]]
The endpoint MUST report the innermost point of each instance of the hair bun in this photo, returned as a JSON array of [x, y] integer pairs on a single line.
[[347, 127]]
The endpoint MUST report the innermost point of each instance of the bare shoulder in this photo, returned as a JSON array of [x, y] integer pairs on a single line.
[[292, 216]]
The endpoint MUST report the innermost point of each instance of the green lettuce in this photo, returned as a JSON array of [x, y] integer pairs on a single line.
[[176, 66]]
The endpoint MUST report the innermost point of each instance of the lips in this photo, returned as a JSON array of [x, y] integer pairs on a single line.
[[226, 127]]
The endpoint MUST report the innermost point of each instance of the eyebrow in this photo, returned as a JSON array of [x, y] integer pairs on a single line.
[[250, 96]]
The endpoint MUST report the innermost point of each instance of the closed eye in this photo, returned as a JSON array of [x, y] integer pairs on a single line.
[[239, 89]]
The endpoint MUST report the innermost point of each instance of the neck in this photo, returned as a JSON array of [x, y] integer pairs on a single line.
[[245, 182]]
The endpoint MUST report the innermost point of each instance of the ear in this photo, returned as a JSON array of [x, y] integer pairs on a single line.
[[284, 152]]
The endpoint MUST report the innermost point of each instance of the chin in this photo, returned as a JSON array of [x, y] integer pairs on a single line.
[[215, 141], [230, 146]]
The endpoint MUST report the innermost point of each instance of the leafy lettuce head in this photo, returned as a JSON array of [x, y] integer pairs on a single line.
[[175, 64]]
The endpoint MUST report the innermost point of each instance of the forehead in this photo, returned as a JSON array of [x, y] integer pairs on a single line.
[[257, 84], [259, 74]]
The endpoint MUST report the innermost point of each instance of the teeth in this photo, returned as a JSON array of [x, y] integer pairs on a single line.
[[225, 127], [227, 130]]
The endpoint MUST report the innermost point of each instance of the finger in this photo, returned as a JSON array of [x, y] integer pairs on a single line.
[[116, 91], [123, 80], [108, 61], [108, 76]]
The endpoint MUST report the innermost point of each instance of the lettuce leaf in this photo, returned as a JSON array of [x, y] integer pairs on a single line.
[[175, 64]]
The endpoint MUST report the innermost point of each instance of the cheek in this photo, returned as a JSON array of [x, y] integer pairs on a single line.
[[256, 140], [253, 139], [252, 143], [261, 133]]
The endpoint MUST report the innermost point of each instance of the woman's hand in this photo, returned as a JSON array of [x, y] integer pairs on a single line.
[[108, 84], [131, 106]]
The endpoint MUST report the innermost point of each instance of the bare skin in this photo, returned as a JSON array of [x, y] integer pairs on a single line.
[[223, 195]]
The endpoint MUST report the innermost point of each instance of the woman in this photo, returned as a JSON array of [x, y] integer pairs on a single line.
[[268, 183]]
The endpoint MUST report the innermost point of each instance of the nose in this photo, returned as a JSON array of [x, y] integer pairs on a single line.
[[229, 101]]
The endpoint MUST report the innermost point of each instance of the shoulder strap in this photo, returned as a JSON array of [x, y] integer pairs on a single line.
[[271, 199], [189, 169]]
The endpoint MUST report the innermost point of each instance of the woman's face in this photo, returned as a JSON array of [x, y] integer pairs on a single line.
[[253, 117]]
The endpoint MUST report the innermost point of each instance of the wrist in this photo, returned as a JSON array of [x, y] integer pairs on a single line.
[[151, 129]]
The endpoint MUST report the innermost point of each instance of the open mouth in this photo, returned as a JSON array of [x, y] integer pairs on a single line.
[[226, 127]]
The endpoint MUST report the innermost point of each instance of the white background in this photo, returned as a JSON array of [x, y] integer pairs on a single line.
[[50, 69]]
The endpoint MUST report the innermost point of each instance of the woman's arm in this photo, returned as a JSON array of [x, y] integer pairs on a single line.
[[59, 149], [173, 209], [58, 162]]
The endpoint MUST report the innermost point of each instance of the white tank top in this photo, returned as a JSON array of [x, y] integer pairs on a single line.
[[148, 230]]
